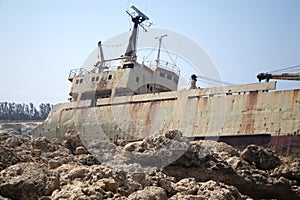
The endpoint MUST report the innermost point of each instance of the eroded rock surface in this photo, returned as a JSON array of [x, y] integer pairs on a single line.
[[262, 158], [159, 167]]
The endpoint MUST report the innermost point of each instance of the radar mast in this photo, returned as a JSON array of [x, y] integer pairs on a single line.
[[137, 18]]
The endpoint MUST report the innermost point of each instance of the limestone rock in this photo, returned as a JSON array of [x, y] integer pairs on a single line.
[[86, 159], [188, 188], [157, 151], [238, 163], [206, 163], [27, 181], [262, 158], [7, 157], [52, 164], [78, 190], [72, 140], [159, 167], [149, 193], [175, 134], [80, 150], [290, 169], [43, 144], [78, 172], [15, 140]]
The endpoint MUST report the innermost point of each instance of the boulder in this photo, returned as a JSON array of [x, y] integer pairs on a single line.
[[78, 190], [43, 144], [80, 150], [72, 140], [78, 172], [157, 151], [210, 160], [7, 157], [175, 134], [52, 164], [188, 188], [15, 140], [149, 193], [261, 157], [28, 181]]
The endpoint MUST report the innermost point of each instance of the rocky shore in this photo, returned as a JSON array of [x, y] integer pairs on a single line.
[[161, 167]]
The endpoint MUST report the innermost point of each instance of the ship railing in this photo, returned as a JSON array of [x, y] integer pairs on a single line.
[[77, 72], [164, 65]]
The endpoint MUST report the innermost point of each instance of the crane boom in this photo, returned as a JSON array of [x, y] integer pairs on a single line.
[[282, 76]]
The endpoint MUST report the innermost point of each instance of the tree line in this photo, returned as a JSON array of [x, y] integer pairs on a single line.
[[26, 112]]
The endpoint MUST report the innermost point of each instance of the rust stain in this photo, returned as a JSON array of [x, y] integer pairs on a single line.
[[149, 115], [204, 100], [132, 138], [296, 96], [196, 117], [102, 83], [203, 105], [134, 115], [248, 116]]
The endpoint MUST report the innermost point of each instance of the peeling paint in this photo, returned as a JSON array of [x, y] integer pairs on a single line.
[[138, 116]]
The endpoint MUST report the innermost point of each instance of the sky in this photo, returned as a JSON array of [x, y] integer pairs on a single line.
[[42, 40]]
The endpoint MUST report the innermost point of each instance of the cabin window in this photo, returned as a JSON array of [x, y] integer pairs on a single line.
[[81, 80], [97, 78], [175, 80], [169, 77], [93, 79], [161, 74], [131, 65], [137, 79], [109, 77], [77, 81]]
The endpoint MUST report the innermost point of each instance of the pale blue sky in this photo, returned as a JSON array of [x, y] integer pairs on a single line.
[[42, 40]]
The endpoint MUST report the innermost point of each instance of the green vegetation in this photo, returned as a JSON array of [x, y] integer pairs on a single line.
[[16, 111]]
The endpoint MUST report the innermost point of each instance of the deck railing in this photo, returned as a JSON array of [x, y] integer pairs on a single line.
[[77, 72], [164, 65]]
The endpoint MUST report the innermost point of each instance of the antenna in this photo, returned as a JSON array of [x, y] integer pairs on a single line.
[[140, 14], [138, 17]]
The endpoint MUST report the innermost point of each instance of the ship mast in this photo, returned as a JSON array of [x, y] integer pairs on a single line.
[[159, 47], [100, 63], [100, 53], [137, 20]]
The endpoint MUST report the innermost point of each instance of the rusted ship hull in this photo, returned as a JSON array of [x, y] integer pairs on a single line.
[[220, 112]]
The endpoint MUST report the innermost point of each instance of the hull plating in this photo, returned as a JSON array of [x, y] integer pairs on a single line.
[[197, 113]]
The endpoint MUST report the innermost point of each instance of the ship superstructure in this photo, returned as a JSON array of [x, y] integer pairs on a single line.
[[128, 77]]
